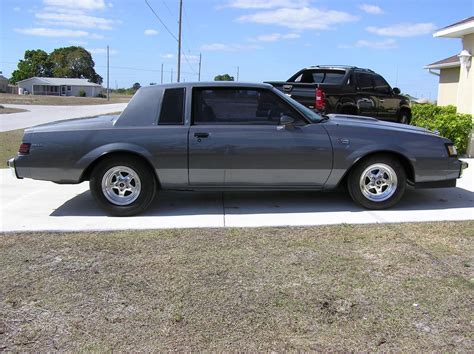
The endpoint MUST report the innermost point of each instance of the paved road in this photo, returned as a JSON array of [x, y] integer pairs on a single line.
[[38, 114], [36, 206]]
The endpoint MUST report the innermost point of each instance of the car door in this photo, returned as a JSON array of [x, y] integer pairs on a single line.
[[388, 102], [367, 101], [236, 141]]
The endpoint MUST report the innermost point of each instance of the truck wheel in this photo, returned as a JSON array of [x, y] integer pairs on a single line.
[[404, 117], [123, 186], [377, 182]]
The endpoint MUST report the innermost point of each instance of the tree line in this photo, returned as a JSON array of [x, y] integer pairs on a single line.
[[69, 62]]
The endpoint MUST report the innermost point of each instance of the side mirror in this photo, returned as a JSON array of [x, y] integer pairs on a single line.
[[286, 120], [396, 91]]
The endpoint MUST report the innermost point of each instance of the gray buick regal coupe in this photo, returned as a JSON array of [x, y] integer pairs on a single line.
[[233, 136]]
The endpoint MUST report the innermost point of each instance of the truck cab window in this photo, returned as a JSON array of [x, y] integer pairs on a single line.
[[364, 82]]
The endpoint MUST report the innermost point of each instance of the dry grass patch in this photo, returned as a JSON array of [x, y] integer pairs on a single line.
[[5, 110], [7, 98], [404, 287], [9, 144]]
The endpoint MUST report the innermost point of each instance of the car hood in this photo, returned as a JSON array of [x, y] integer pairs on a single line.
[[345, 119], [75, 124]]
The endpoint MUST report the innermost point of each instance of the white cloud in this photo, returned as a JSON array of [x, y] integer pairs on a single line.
[[371, 9], [300, 19], [403, 29], [273, 37], [167, 56], [77, 4], [227, 47], [16, 9], [151, 32], [267, 4], [75, 19], [51, 32], [362, 43], [99, 51], [78, 43]]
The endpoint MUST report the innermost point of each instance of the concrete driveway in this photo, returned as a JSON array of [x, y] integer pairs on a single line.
[[38, 114], [29, 205]]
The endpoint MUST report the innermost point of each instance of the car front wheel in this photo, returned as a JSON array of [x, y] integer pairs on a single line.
[[377, 182], [123, 186]]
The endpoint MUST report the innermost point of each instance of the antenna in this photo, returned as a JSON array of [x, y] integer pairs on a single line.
[[179, 38]]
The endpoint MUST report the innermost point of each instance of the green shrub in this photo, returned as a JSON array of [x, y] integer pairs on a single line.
[[451, 125], [82, 93], [101, 95]]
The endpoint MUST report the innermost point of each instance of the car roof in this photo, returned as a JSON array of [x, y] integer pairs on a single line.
[[209, 84]]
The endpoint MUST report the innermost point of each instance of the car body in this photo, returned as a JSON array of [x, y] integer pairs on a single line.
[[347, 90], [232, 136]]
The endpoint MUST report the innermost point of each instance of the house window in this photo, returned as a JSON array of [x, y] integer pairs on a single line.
[[69, 88]]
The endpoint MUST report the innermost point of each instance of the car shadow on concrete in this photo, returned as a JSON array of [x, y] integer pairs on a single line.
[[171, 203]]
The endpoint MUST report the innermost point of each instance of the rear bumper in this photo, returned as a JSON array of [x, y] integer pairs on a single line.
[[11, 165]]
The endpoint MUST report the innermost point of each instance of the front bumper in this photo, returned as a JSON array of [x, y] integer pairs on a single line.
[[11, 165], [464, 165]]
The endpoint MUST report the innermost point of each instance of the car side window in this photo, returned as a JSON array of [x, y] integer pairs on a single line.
[[364, 82], [172, 107], [380, 85], [238, 106]]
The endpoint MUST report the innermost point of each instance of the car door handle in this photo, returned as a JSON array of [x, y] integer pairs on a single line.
[[201, 135]]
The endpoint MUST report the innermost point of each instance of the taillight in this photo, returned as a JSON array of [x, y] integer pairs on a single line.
[[320, 103], [24, 148]]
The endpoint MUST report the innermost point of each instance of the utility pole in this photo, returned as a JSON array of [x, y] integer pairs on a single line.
[[108, 98], [162, 73], [179, 39], [171, 75], [238, 73], [200, 60]]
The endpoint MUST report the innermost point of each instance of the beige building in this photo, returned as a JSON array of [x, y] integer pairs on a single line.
[[456, 73]]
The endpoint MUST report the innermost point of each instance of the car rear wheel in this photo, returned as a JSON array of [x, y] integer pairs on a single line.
[[377, 182], [123, 186]]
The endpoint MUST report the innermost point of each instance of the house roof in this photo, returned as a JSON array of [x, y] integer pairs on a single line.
[[457, 30], [60, 81], [450, 62], [3, 78]]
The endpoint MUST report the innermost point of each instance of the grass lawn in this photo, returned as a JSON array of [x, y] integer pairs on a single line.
[[7, 98], [402, 287], [9, 144]]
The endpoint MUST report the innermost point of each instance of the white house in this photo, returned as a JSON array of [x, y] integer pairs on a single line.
[[57, 86]]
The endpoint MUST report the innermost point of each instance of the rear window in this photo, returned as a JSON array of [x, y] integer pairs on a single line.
[[319, 76], [172, 107]]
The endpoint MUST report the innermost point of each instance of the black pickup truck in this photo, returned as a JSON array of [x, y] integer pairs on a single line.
[[347, 90]]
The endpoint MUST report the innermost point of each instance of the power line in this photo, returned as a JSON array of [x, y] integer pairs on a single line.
[[161, 21], [166, 5]]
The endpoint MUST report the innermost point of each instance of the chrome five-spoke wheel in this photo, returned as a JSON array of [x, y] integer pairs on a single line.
[[378, 182], [121, 185]]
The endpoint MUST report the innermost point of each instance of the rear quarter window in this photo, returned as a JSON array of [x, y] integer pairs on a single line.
[[172, 107]]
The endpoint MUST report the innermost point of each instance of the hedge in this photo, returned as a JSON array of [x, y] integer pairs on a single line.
[[452, 125]]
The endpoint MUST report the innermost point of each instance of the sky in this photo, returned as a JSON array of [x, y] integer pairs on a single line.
[[262, 39]]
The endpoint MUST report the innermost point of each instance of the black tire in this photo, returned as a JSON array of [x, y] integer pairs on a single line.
[[364, 194], [139, 174], [404, 117]]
